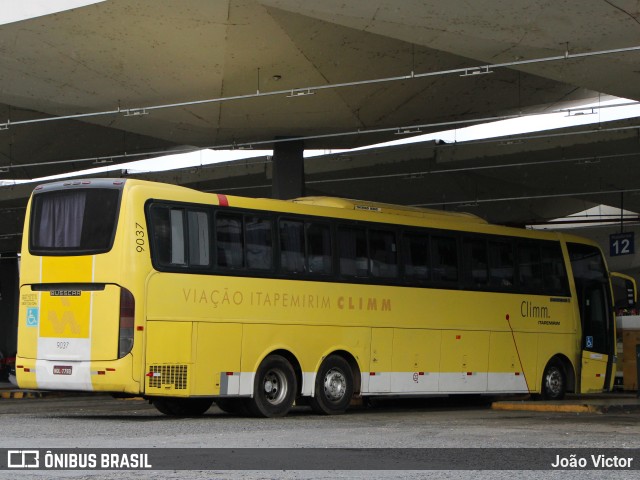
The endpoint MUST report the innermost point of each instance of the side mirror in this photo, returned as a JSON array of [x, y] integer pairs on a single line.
[[625, 291]]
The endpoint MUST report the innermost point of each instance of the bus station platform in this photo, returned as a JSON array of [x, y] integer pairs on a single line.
[[615, 402]]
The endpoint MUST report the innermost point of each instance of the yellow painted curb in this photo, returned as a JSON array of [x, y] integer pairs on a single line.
[[546, 407], [19, 394]]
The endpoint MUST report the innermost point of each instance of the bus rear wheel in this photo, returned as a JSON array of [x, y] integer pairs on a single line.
[[274, 389], [182, 407], [334, 387], [554, 381]]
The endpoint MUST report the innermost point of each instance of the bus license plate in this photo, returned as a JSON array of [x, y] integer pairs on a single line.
[[62, 370]]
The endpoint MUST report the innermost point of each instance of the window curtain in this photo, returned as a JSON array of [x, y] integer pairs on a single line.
[[61, 218]]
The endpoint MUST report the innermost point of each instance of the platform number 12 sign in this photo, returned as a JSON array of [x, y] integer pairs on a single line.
[[621, 244]]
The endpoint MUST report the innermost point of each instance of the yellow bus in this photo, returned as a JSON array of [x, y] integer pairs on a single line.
[[189, 298]]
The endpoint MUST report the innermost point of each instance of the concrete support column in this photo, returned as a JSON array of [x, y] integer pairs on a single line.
[[288, 170], [9, 298]]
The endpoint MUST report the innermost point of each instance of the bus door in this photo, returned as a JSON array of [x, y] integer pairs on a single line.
[[597, 337], [597, 342]]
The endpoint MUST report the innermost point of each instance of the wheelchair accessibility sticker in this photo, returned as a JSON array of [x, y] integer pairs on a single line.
[[589, 342], [32, 317]]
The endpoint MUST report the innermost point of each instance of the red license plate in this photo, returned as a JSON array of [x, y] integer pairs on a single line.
[[62, 370]]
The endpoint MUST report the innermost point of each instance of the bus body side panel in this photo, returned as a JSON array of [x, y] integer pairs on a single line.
[[233, 323], [594, 366], [193, 358], [217, 358], [227, 326], [416, 360], [508, 370], [169, 358], [380, 368], [464, 361]]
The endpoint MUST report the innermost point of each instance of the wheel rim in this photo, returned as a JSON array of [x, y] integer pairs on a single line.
[[554, 381], [275, 386], [335, 385]]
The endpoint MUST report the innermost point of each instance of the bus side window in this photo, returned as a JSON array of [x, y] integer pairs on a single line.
[[475, 262], [529, 268], [553, 270], [168, 235], [229, 241], [161, 234], [292, 246], [416, 256], [352, 249], [586, 262], [383, 253], [177, 237], [259, 243], [445, 259], [318, 248], [501, 265], [198, 238]]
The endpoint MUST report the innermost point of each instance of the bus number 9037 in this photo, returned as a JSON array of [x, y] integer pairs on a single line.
[[140, 242]]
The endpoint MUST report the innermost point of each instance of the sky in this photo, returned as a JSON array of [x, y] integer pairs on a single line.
[[16, 10]]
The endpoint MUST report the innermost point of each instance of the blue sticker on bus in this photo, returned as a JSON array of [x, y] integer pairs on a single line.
[[32, 317], [589, 342]]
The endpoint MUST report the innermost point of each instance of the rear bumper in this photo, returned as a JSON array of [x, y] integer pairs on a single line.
[[85, 376]]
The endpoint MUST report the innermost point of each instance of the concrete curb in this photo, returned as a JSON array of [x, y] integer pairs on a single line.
[[14, 393], [566, 407], [20, 394]]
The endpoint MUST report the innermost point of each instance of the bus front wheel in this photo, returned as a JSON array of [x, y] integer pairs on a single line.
[[182, 407], [274, 389], [554, 381], [334, 387]]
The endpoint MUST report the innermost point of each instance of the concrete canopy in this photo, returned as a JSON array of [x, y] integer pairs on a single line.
[[134, 54]]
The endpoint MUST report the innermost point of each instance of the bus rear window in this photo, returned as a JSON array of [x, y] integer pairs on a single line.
[[74, 222]]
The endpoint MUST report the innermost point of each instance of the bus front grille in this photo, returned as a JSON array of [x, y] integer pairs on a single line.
[[162, 375]]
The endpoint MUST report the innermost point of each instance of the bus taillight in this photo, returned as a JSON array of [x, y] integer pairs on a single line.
[[127, 320]]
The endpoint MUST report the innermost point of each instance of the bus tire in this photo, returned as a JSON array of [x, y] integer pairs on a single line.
[[234, 406], [554, 381], [182, 407], [274, 389], [334, 387]]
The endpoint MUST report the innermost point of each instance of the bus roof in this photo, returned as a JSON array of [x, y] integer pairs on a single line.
[[363, 205], [455, 220]]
